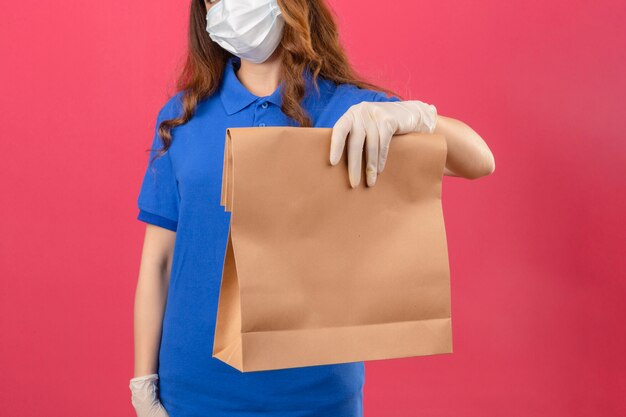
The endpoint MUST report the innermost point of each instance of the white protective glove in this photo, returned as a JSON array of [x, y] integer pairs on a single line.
[[145, 396], [373, 124]]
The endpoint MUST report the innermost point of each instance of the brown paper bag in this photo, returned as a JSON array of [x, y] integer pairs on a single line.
[[316, 272]]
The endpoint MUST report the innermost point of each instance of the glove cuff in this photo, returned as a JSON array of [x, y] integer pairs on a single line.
[[426, 115], [149, 377]]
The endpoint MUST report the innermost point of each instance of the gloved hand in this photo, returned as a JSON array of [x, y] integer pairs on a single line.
[[373, 124], [145, 396]]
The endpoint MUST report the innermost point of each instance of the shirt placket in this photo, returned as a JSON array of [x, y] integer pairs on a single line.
[[262, 113]]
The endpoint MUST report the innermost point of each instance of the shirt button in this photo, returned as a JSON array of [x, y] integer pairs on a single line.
[[262, 124], [264, 105]]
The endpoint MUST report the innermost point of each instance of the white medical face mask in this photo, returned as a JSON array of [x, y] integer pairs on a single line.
[[249, 29]]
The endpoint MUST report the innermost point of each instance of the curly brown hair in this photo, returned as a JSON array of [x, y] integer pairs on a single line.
[[310, 40]]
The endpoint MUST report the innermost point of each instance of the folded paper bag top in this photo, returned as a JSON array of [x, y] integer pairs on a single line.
[[316, 272]]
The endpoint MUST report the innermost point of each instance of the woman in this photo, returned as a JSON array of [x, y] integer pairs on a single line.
[[251, 63]]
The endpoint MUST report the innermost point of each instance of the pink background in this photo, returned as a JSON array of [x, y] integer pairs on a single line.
[[536, 250]]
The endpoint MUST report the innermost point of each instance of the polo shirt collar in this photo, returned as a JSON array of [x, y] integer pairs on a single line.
[[235, 96]]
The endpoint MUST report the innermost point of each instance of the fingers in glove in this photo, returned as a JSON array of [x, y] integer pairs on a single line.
[[356, 142], [340, 132], [372, 145], [386, 132]]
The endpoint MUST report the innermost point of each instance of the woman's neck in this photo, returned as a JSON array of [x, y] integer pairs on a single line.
[[261, 79]]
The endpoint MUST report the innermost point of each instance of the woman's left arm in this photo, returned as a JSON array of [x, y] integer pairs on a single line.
[[371, 126], [468, 154]]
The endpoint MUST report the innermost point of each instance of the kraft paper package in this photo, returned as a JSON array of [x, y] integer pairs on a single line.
[[316, 272]]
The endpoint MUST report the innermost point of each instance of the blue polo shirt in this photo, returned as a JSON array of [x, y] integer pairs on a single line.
[[181, 192]]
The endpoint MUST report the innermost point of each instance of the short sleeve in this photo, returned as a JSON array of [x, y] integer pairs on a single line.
[[159, 199], [381, 96]]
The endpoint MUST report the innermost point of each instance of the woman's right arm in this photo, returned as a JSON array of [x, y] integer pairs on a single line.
[[150, 300], [151, 297]]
